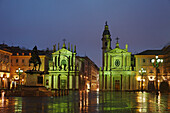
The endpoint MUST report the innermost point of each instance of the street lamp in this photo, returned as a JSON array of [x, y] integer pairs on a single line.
[[19, 71], [155, 62], [142, 71]]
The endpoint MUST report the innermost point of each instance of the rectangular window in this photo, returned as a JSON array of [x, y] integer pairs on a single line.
[[40, 80], [150, 60], [16, 60], [143, 60], [22, 60]]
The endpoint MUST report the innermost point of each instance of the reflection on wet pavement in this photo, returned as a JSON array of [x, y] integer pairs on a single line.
[[92, 102]]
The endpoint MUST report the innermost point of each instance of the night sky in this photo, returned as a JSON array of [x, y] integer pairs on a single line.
[[142, 24]]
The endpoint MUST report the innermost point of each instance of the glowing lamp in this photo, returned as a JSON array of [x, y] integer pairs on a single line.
[[7, 75], [139, 78], [156, 57], [1, 75], [153, 60]]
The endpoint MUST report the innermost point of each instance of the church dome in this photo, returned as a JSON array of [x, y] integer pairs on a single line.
[[106, 30]]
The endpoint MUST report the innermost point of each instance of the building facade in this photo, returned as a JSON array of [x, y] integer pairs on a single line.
[[5, 64], [166, 51], [89, 73], [144, 61], [63, 72], [116, 72], [18, 63]]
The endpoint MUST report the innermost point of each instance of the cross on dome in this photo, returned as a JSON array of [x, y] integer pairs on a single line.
[[117, 39]]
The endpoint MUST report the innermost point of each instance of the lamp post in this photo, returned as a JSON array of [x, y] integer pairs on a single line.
[[19, 71], [142, 71], [156, 62]]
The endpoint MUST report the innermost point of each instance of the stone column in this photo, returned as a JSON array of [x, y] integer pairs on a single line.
[[108, 63], [111, 81]]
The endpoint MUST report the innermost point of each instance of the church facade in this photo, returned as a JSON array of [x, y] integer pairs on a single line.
[[62, 69], [116, 72]]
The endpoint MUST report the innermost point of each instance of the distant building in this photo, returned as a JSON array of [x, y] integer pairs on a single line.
[[166, 51], [143, 60], [89, 73], [19, 61], [116, 72]]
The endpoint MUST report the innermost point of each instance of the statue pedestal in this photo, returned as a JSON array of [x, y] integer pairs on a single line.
[[34, 85], [34, 78]]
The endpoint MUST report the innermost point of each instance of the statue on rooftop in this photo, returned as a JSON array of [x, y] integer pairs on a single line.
[[35, 59]]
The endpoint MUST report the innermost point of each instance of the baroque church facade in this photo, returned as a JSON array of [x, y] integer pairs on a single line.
[[116, 72], [62, 69]]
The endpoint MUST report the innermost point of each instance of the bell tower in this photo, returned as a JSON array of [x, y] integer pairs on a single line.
[[106, 42]]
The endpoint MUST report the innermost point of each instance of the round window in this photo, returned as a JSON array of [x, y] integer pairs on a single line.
[[117, 62]]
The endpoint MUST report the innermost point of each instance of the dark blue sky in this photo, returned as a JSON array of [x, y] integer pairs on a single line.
[[142, 24]]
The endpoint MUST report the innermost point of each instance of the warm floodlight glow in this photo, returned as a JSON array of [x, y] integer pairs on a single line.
[[16, 78], [1, 75], [88, 86], [151, 78], [7, 75], [138, 78]]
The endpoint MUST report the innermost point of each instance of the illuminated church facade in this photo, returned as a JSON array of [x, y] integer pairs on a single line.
[[62, 69], [116, 72]]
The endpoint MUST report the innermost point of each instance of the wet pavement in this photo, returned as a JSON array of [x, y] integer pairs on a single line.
[[92, 102]]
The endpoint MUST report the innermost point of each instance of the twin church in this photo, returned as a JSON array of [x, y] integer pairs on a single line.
[[116, 72]]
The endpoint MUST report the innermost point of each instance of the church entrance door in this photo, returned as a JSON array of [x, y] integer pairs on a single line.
[[117, 84], [63, 84]]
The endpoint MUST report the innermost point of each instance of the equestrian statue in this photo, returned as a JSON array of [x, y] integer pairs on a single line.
[[35, 59]]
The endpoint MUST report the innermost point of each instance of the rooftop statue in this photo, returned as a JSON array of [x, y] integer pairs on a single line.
[[35, 59]]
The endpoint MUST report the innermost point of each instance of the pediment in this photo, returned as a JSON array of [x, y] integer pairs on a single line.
[[118, 50], [62, 51]]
